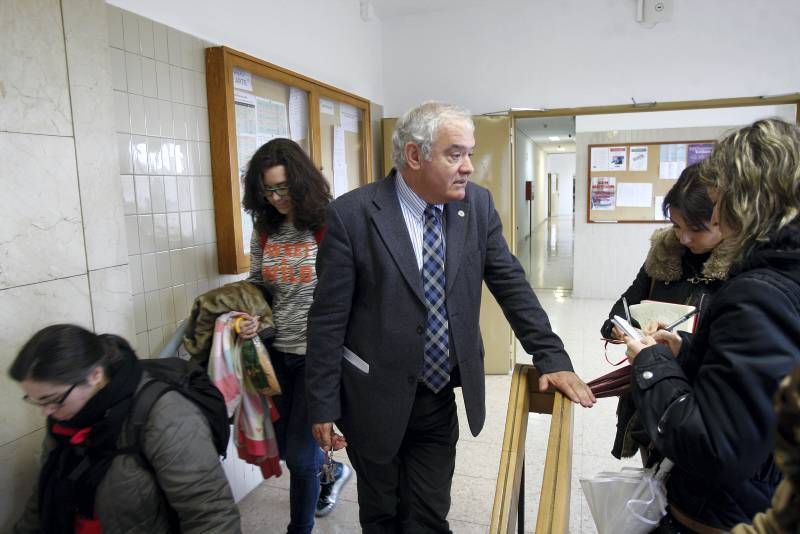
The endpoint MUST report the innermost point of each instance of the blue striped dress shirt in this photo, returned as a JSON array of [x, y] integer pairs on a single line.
[[413, 208]]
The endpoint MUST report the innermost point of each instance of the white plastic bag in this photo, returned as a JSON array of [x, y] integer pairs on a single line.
[[631, 501]]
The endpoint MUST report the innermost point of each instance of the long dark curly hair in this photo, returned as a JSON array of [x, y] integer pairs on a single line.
[[308, 189]]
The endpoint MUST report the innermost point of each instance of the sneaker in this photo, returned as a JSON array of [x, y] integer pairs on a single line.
[[328, 493]]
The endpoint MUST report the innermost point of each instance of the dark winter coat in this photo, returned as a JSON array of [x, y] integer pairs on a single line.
[[671, 273], [710, 410], [177, 442]]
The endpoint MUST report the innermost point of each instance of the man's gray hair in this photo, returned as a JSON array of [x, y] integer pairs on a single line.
[[419, 126]]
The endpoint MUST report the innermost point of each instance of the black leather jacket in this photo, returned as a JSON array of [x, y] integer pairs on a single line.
[[710, 410]]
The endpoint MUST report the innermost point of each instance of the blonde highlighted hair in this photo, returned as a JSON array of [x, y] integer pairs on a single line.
[[756, 171]]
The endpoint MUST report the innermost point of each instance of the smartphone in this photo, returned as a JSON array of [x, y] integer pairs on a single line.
[[626, 327]]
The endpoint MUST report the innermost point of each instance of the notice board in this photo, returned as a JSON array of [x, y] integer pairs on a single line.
[[628, 181]]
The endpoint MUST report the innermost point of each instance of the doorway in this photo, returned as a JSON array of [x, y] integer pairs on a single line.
[[545, 158]]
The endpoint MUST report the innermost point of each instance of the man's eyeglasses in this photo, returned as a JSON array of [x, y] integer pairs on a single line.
[[57, 402], [282, 191]]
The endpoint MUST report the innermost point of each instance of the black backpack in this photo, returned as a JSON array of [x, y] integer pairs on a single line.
[[190, 380]]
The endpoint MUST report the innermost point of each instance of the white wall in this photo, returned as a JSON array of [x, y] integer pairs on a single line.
[[540, 199], [573, 52], [564, 166], [323, 39], [163, 145], [524, 171], [683, 119]]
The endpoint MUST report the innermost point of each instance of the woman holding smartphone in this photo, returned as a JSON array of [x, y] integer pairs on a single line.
[[706, 400]]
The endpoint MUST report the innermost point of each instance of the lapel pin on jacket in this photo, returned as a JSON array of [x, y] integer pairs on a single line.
[[460, 213]]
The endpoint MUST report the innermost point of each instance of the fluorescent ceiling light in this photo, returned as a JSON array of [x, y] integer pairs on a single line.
[[554, 138]]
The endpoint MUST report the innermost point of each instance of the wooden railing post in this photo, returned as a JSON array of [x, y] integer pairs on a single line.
[[524, 398]]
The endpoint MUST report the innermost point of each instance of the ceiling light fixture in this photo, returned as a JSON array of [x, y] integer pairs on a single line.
[[554, 138]]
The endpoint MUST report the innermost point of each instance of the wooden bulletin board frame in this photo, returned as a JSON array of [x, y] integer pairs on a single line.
[[601, 195], [220, 64]]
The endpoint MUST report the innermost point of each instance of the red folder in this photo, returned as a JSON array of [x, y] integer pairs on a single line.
[[612, 384]]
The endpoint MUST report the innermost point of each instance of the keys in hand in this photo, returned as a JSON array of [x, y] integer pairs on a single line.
[[328, 473]]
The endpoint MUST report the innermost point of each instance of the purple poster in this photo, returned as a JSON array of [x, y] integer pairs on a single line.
[[697, 152]]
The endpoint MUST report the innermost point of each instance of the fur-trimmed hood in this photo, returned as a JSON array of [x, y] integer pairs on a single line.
[[665, 259]]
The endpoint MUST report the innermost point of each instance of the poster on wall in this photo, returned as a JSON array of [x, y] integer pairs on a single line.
[[672, 161], [242, 80], [638, 158], [339, 162], [617, 158], [271, 119], [604, 193], [246, 129], [298, 114], [326, 107], [599, 158], [697, 152], [349, 117]]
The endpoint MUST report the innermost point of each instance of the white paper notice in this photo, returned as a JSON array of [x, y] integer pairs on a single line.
[[339, 162], [243, 97], [638, 158], [617, 158], [246, 146], [242, 80], [658, 215], [245, 111], [672, 161], [599, 158], [326, 106], [247, 230], [298, 114], [349, 117], [271, 117], [634, 195]]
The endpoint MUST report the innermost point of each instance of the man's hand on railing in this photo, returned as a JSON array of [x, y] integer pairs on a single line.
[[570, 385]]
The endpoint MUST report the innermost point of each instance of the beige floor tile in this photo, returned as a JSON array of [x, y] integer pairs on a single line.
[[265, 510], [472, 499], [478, 459]]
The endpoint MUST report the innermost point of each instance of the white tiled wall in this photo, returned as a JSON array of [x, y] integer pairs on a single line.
[[161, 120]]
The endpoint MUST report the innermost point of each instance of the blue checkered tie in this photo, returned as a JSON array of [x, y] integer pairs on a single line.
[[436, 365]]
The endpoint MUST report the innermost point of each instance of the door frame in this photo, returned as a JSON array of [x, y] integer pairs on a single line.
[[747, 101]]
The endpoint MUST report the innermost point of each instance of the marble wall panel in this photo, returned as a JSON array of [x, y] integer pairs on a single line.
[[41, 237]]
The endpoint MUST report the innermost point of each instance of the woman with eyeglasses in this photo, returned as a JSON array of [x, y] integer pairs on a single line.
[[706, 400], [84, 384], [287, 198]]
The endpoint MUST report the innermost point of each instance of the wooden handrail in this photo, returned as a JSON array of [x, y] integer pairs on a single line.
[[524, 398]]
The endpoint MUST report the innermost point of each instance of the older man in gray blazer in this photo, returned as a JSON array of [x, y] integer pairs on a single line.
[[394, 323]]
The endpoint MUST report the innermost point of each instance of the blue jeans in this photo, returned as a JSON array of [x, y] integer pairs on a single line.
[[297, 446]]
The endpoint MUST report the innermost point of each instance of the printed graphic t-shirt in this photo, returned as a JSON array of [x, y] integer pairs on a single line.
[[287, 264]]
